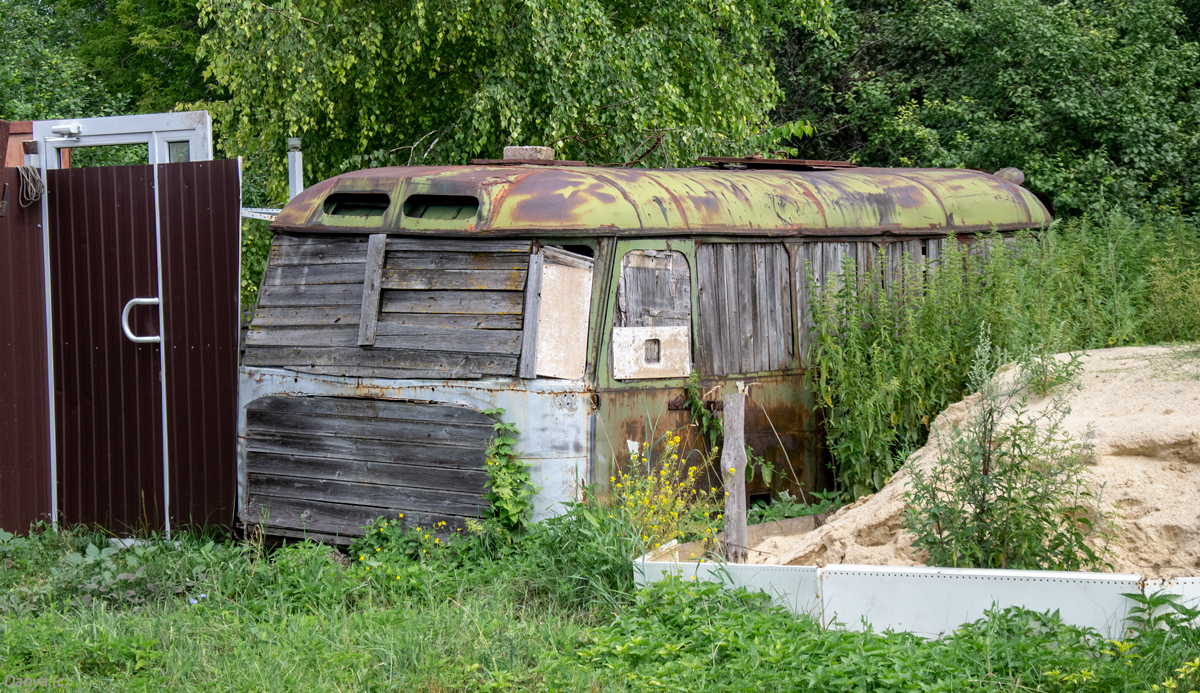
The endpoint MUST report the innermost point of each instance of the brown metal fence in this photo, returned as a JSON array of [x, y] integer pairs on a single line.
[[24, 398], [200, 213], [115, 236], [108, 396]]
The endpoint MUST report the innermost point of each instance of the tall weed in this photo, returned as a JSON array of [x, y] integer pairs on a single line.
[[884, 362]]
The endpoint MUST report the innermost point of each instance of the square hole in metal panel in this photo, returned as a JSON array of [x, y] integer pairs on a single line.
[[653, 351]]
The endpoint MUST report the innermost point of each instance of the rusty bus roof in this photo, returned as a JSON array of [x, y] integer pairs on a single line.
[[578, 201]]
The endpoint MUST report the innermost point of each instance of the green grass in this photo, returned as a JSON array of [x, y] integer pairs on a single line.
[[551, 610]]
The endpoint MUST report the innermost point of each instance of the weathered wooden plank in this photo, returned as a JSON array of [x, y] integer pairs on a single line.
[[344, 273], [334, 316], [372, 276], [411, 476], [731, 336], [300, 515], [319, 295], [392, 336], [733, 466], [527, 368], [474, 341], [306, 315], [744, 326], [375, 495], [379, 373], [449, 364], [370, 408], [463, 280], [436, 260], [453, 321], [366, 449], [458, 246], [558, 256], [462, 302], [709, 337], [316, 250], [318, 335], [450, 434]]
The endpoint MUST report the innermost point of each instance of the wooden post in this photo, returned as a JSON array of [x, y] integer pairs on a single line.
[[733, 468]]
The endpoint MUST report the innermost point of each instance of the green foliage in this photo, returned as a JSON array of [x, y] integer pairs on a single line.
[[376, 83], [509, 492], [1010, 488], [785, 507], [555, 611], [256, 250], [40, 74], [884, 364], [1094, 101], [1157, 611], [145, 49]]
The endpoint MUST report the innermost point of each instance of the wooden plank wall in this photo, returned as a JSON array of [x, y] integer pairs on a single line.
[[655, 290], [446, 308], [745, 307], [327, 466]]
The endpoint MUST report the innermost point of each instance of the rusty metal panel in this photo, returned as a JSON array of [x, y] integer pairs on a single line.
[[24, 396], [516, 200], [108, 403], [199, 215]]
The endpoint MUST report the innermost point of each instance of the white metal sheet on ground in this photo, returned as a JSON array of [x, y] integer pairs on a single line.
[[792, 587], [932, 602]]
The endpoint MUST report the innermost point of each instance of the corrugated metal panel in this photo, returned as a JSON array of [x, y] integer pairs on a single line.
[[108, 402], [24, 400], [199, 211]]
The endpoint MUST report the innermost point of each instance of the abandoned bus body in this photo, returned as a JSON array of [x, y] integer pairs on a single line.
[[399, 304]]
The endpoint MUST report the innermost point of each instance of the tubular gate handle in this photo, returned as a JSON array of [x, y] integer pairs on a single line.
[[125, 321]]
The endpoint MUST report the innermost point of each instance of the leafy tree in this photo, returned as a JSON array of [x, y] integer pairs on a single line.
[[40, 75], [442, 81], [1096, 101], [145, 49]]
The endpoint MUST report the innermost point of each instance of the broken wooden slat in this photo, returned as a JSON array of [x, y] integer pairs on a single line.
[[654, 290], [369, 317], [304, 250], [532, 309]]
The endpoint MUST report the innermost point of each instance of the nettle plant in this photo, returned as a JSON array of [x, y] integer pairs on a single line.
[[510, 489], [1010, 488]]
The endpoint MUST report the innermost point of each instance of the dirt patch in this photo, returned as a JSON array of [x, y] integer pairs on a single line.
[[1139, 406]]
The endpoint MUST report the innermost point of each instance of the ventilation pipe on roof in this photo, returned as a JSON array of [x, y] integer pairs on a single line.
[[295, 167]]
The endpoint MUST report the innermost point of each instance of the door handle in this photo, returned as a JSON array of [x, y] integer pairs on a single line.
[[125, 321]]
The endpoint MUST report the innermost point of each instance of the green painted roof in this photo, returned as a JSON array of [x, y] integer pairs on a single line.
[[563, 201]]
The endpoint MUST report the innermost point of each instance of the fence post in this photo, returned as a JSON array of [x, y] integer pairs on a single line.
[[733, 468]]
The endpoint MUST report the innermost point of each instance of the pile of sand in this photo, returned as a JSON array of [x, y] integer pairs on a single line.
[[1143, 407]]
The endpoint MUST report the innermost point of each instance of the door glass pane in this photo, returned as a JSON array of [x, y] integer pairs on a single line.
[[179, 152]]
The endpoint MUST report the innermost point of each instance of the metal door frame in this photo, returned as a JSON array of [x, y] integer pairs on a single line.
[[157, 131]]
